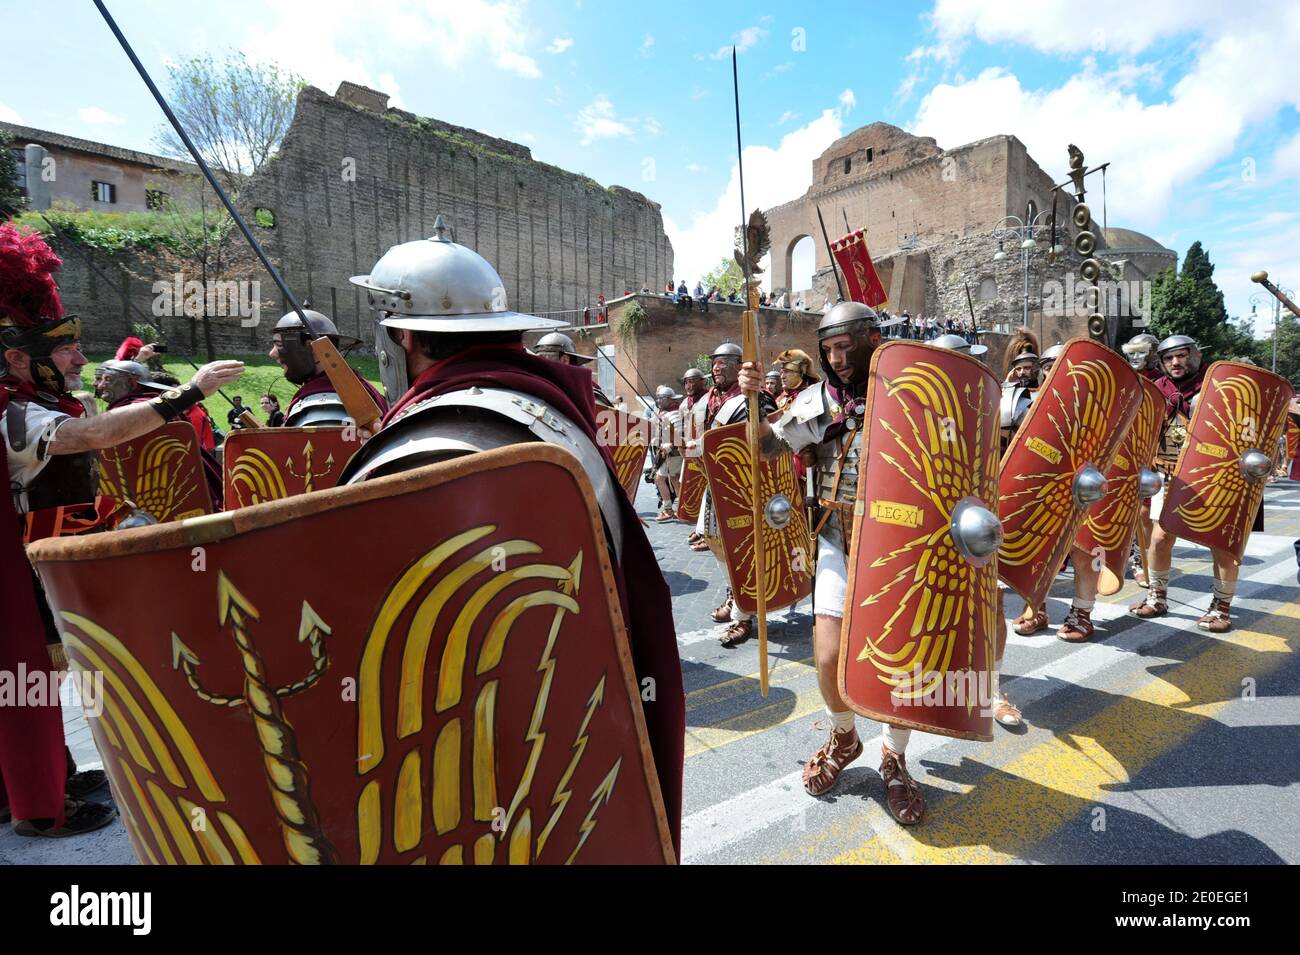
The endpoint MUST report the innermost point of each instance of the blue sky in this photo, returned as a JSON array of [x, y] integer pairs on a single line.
[[1196, 104]]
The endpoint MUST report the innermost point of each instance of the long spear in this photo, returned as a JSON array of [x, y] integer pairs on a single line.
[[749, 353], [358, 403]]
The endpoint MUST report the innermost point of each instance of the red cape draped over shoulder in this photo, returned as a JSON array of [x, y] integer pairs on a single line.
[[643, 593]]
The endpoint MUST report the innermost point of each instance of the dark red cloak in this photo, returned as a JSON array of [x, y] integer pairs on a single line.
[[643, 593]]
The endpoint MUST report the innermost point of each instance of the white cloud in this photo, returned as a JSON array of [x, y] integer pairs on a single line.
[[1155, 147], [786, 117], [695, 167], [772, 176], [525, 137], [778, 69], [559, 45], [647, 45], [847, 100], [99, 117], [741, 40], [1285, 163], [652, 126], [10, 115], [327, 41], [699, 93], [597, 120]]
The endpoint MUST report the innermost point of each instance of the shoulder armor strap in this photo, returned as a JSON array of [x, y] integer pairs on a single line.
[[16, 423]]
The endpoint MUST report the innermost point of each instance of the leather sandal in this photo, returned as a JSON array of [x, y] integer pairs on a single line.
[[78, 817], [822, 771], [722, 612], [84, 782], [694, 537], [738, 632], [1028, 626], [1153, 605], [1216, 619], [665, 515], [1007, 713], [903, 794], [1077, 627], [700, 545]]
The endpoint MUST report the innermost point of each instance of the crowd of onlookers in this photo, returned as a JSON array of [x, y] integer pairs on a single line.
[[904, 325]]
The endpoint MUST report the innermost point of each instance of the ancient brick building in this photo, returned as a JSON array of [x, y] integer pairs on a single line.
[[930, 213]]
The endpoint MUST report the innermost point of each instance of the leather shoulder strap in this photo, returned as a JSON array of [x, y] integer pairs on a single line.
[[16, 424]]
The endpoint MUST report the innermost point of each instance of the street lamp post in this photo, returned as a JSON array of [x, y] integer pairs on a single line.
[[1016, 228], [1277, 313]]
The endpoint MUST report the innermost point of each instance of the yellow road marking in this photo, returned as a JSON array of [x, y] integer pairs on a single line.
[[1053, 783]]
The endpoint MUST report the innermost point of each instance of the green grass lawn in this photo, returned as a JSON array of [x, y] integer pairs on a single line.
[[260, 376]]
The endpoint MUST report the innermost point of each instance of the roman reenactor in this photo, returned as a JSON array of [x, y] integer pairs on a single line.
[[667, 454], [1180, 361], [455, 356], [796, 375], [316, 402], [695, 386], [50, 461], [1140, 350], [772, 384], [726, 404], [557, 346], [822, 426]]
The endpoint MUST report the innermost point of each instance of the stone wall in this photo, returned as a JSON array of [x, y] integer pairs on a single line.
[[349, 183]]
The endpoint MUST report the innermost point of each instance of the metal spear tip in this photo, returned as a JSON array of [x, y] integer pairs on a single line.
[[1261, 277]]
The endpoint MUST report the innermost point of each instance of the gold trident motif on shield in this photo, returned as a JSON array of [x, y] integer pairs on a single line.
[[309, 475], [285, 772]]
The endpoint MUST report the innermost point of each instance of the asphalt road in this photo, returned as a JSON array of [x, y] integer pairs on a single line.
[[1155, 743]]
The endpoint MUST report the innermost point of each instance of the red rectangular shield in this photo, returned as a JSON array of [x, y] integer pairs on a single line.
[[465, 695], [1078, 419], [1209, 499], [628, 437], [266, 464], [1107, 529], [160, 472], [919, 640]]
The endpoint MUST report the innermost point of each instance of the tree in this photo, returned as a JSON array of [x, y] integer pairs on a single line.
[[726, 277], [235, 112], [1188, 302], [1288, 348], [11, 197]]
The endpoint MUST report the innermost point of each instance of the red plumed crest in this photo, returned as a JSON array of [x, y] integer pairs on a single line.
[[129, 348], [28, 293]]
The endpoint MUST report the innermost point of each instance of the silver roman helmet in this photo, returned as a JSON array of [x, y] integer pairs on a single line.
[[554, 344], [1140, 350], [847, 318], [727, 350], [959, 344], [436, 285], [663, 391], [294, 348], [692, 372], [1049, 356], [117, 378], [1174, 342]]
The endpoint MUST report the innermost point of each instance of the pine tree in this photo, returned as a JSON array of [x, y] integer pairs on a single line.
[[1188, 302]]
